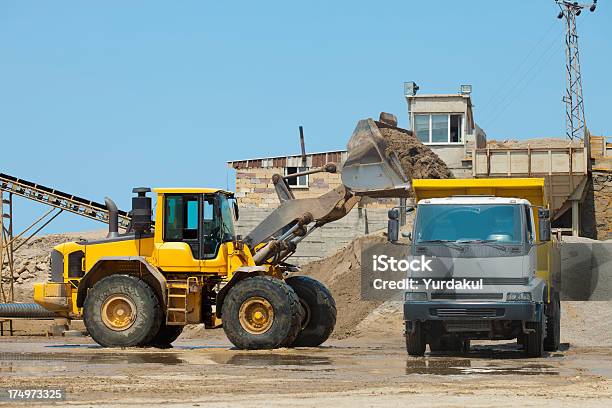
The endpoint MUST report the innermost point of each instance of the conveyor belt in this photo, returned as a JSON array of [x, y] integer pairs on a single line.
[[59, 199]]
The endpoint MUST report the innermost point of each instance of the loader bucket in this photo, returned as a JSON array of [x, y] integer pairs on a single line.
[[368, 170]]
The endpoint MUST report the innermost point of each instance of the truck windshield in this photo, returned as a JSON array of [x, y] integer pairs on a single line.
[[463, 223]]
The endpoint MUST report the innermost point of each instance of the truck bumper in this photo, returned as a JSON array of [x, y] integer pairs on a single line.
[[442, 311]]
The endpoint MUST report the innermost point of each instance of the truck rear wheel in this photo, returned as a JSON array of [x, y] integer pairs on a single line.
[[166, 336], [261, 312], [534, 341], [415, 338], [553, 324], [122, 311], [319, 317]]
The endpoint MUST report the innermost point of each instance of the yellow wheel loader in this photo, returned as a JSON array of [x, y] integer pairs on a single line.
[[184, 264]]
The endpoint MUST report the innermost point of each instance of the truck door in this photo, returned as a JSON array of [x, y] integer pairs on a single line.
[[181, 249]]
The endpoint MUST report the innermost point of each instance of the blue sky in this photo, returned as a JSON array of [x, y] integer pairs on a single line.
[[98, 97]]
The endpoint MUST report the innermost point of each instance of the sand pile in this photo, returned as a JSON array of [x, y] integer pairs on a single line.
[[533, 143], [418, 161], [341, 273]]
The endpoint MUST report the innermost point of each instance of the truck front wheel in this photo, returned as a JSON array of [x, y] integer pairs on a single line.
[[534, 340], [553, 324], [122, 311], [415, 338], [261, 312]]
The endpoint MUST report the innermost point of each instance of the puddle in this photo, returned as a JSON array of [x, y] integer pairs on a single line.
[[102, 358], [468, 367], [266, 360]]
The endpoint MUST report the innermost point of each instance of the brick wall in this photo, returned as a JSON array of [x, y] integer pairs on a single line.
[[596, 210], [602, 192]]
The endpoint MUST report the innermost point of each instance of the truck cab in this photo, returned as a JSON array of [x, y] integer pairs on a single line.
[[491, 270]]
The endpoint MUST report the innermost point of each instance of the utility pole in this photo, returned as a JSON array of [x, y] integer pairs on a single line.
[[574, 104]]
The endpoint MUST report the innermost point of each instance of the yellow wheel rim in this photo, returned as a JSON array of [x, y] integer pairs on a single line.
[[256, 315], [118, 312]]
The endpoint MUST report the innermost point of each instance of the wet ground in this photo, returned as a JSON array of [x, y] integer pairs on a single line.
[[365, 371]]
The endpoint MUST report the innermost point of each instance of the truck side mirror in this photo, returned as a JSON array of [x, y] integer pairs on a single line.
[[236, 211], [393, 226], [544, 224]]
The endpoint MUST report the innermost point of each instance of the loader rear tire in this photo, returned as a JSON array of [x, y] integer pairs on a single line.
[[261, 312], [166, 336], [122, 311], [415, 338], [319, 307]]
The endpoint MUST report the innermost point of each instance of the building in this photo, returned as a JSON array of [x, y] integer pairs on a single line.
[[254, 187], [445, 123]]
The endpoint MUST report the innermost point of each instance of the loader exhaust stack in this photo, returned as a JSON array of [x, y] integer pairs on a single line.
[[113, 218]]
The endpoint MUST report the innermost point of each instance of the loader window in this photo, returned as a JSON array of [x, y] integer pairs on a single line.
[[181, 218]]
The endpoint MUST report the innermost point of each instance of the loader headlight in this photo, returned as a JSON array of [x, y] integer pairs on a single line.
[[415, 296], [518, 297]]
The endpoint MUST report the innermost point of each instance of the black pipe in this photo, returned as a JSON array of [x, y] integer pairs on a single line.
[[32, 310], [113, 218]]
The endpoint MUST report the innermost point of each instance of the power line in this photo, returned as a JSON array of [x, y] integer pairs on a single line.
[[523, 87], [526, 78], [507, 81]]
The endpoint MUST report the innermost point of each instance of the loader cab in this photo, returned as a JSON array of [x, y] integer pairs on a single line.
[[195, 223]]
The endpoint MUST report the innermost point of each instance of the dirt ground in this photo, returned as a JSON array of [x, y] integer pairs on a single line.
[[363, 364], [370, 370]]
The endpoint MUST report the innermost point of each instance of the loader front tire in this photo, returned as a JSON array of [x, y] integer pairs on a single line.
[[122, 311], [261, 312], [319, 307], [166, 336]]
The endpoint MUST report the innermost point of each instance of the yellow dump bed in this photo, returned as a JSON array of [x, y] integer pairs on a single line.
[[531, 189]]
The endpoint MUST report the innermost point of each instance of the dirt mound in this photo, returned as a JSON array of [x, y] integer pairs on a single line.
[[418, 161], [341, 273]]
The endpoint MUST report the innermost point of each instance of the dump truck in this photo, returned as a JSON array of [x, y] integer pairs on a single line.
[[494, 271], [183, 263]]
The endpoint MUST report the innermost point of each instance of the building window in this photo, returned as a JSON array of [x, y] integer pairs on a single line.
[[297, 182], [439, 128]]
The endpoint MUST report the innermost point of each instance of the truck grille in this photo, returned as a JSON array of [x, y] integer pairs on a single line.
[[56, 272], [471, 312]]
